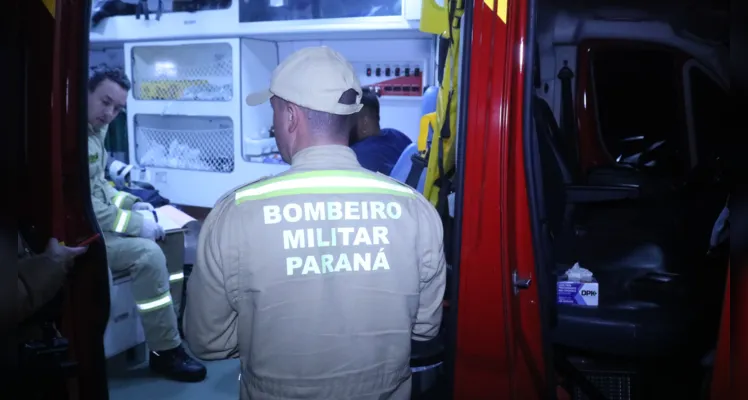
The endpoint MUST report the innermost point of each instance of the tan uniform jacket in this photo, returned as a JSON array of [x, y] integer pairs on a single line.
[[112, 207], [318, 279]]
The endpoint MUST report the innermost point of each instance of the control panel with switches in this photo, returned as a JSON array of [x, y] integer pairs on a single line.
[[392, 78]]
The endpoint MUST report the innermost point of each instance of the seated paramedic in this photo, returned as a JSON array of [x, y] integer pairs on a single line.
[[131, 239], [319, 278], [377, 149]]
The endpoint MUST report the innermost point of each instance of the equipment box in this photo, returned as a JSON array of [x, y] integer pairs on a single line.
[[173, 247], [124, 329], [176, 223], [577, 293]]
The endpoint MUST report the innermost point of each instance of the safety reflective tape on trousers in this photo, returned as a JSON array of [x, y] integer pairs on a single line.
[[322, 182], [119, 199], [155, 304], [176, 277], [121, 221]]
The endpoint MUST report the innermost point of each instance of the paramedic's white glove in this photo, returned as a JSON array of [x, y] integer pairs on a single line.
[[142, 206], [152, 230]]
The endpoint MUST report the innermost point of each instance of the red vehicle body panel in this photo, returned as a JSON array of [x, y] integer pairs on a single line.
[[499, 347], [721, 374], [738, 358], [60, 161]]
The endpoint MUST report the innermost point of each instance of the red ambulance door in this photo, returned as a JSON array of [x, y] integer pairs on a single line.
[[499, 351]]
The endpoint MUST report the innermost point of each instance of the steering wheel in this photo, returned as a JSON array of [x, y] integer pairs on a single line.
[[648, 155], [623, 159]]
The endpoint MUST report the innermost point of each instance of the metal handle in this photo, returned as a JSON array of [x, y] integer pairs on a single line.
[[520, 283]]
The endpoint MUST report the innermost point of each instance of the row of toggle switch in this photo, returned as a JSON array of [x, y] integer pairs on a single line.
[[388, 71]]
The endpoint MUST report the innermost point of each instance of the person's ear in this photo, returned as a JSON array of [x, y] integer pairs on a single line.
[[293, 113]]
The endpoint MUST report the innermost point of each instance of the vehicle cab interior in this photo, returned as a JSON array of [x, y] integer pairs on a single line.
[[629, 108]]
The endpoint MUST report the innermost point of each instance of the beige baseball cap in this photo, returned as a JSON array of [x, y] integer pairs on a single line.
[[315, 78]]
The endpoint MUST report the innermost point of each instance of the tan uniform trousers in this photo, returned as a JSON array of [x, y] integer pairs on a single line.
[[145, 262]]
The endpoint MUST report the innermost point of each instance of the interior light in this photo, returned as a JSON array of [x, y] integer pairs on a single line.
[[165, 68]]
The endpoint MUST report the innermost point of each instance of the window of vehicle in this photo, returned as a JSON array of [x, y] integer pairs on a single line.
[[639, 103], [708, 106]]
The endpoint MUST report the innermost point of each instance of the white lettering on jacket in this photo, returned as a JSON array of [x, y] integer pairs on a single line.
[[344, 262], [363, 241], [332, 211]]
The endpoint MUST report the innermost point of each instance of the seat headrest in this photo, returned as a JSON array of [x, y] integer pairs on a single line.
[[428, 103]]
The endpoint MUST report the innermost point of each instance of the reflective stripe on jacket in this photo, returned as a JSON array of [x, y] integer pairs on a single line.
[[112, 207]]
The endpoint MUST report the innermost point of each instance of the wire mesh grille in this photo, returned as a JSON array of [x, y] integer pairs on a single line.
[[209, 149], [614, 386], [191, 72]]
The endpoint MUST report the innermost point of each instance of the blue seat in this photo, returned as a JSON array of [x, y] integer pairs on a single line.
[[402, 168]]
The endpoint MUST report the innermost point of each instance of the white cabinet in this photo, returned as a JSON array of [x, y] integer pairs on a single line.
[[305, 10], [183, 72], [412, 9], [184, 118], [271, 19], [192, 136], [185, 142]]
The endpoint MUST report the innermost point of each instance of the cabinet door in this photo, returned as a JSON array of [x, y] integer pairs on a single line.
[[184, 118], [183, 72], [294, 10]]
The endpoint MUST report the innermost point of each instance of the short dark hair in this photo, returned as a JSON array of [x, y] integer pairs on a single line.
[[370, 100], [333, 123], [103, 72]]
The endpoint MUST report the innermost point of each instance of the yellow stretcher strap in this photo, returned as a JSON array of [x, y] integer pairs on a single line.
[[441, 159], [50, 5], [427, 121], [434, 17]]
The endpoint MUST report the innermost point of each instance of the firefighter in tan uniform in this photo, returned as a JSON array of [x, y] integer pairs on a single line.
[[131, 239], [318, 278]]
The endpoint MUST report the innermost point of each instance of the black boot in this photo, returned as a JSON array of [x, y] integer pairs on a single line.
[[176, 364]]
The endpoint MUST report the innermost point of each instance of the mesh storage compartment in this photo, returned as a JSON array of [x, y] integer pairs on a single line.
[[614, 381], [185, 142], [187, 72], [613, 385]]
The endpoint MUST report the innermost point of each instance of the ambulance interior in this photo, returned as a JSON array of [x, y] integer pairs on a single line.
[[189, 134], [601, 196]]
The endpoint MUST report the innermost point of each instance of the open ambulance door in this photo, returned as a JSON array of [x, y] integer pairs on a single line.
[[499, 352], [56, 153], [720, 383]]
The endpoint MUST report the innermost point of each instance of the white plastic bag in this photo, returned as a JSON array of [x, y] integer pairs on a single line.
[[579, 274]]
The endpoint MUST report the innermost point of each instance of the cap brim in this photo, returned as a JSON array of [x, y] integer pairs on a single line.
[[255, 99]]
